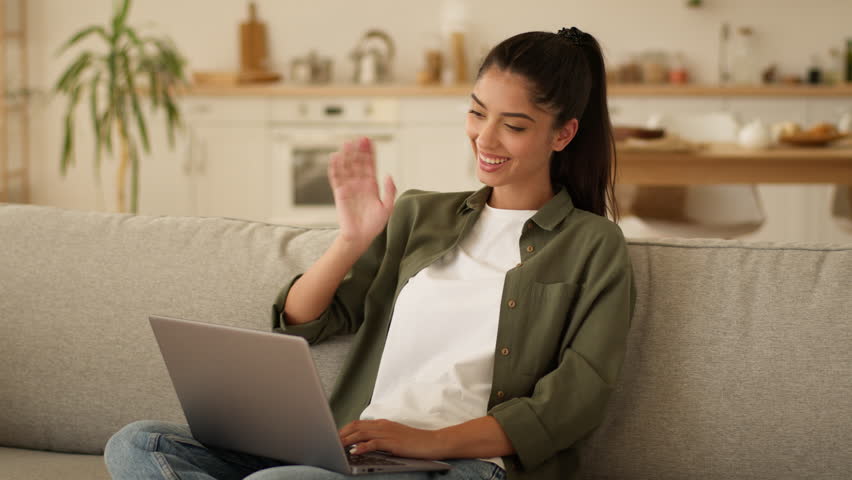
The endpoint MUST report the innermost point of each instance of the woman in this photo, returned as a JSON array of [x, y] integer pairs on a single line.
[[490, 326]]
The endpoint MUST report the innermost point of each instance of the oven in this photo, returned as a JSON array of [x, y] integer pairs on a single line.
[[305, 133]]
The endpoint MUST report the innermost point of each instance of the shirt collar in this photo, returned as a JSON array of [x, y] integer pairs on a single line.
[[548, 216]]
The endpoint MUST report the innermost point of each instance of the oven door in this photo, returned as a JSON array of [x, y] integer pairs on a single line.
[[301, 194]]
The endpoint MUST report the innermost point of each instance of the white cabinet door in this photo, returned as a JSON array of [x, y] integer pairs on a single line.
[[165, 175], [229, 168], [438, 158]]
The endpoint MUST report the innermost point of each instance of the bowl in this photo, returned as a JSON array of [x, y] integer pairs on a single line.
[[623, 133], [811, 139]]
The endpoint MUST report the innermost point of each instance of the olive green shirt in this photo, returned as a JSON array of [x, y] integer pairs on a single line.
[[564, 317]]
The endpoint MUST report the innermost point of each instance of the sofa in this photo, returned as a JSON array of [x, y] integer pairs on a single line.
[[739, 362]]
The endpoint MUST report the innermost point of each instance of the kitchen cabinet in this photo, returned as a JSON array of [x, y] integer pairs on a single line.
[[164, 175], [219, 167], [438, 158], [435, 149], [229, 171], [241, 155]]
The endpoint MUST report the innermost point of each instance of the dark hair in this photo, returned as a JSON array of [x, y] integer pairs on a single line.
[[567, 77]]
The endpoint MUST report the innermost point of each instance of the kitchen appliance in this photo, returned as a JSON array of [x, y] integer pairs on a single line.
[[305, 133], [311, 68], [373, 58]]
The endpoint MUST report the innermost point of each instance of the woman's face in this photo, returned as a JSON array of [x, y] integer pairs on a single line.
[[512, 138]]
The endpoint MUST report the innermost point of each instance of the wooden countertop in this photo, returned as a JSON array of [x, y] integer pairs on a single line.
[[726, 163], [616, 90]]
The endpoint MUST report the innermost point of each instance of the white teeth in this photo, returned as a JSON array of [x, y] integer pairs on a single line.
[[492, 161]]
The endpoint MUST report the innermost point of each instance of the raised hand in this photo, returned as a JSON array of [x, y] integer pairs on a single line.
[[361, 213]]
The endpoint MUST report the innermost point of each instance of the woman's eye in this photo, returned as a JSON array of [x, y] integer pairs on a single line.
[[516, 129], [474, 112]]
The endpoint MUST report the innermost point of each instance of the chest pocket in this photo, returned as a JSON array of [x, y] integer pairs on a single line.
[[545, 325]]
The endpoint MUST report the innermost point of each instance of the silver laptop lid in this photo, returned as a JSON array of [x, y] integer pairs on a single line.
[[251, 391]]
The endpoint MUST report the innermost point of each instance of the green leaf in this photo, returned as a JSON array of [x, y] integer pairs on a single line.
[[96, 122], [134, 38], [106, 129], [68, 141], [119, 19], [79, 36], [172, 62], [134, 101], [69, 78], [173, 118], [154, 87]]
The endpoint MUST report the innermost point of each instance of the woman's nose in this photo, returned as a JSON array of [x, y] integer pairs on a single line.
[[487, 137]]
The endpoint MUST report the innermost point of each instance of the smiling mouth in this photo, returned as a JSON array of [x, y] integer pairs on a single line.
[[492, 160]]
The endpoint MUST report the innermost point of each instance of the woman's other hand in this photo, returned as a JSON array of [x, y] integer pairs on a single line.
[[395, 438], [361, 213]]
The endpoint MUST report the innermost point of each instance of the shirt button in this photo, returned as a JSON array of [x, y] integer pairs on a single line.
[[530, 248], [518, 265], [504, 351], [512, 304], [529, 225], [500, 394]]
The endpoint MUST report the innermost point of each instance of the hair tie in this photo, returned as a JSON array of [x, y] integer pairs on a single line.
[[574, 34]]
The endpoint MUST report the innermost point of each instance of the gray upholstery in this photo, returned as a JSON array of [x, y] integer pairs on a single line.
[[738, 364]]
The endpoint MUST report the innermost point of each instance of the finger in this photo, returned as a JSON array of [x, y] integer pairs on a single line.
[[389, 195], [334, 169], [347, 160], [370, 446], [365, 145], [367, 164], [355, 438], [350, 428]]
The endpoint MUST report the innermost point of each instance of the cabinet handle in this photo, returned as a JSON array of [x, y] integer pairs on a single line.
[[202, 159], [187, 162], [201, 109]]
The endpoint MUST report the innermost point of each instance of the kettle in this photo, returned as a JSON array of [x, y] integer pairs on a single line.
[[373, 63]]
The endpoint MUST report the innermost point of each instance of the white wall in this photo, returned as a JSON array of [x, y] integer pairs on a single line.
[[788, 32]]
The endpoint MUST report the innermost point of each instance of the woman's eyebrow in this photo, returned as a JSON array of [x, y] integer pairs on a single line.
[[505, 114]]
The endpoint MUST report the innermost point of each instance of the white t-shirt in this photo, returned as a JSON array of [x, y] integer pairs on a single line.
[[438, 362]]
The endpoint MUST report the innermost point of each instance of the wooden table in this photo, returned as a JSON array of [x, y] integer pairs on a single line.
[[726, 163]]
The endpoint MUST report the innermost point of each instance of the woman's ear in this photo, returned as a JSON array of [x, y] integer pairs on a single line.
[[565, 134]]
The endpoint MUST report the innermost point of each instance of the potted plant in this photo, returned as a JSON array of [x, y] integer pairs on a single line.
[[111, 80]]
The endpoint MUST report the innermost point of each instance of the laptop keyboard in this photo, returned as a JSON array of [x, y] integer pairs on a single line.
[[361, 460]]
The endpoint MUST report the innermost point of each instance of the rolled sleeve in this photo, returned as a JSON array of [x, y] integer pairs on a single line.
[[569, 402], [345, 313]]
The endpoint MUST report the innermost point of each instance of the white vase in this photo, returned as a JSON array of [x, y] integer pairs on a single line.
[[755, 136]]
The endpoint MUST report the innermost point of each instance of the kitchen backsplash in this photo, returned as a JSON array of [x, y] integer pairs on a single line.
[[790, 33]]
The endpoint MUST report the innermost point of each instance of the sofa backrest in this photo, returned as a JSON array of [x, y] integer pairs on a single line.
[[78, 359], [738, 365]]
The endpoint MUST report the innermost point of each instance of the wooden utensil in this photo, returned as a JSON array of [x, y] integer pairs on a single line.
[[253, 50]]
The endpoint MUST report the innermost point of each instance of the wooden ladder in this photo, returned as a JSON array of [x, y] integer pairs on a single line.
[[14, 105]]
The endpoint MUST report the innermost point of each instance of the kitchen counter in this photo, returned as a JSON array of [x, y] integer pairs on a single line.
[[616, 90], [728, 163]]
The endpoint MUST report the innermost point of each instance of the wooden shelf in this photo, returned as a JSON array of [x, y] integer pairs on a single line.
[[333, 90], [840, 90], [617, 90]]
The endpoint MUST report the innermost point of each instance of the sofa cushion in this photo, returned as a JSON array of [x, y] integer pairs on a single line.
[[79, 360], [739, 365], [38, 465]]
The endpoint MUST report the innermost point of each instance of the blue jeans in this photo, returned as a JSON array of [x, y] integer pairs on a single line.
[[158, 450]]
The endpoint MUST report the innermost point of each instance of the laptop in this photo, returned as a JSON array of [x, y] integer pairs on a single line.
[[259, 393]]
